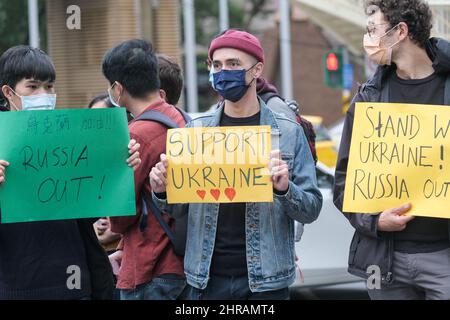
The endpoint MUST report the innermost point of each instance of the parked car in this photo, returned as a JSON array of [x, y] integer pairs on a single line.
[[324, 245], [325, 146]]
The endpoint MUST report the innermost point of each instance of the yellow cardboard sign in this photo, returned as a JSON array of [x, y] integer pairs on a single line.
[[399, 153], [219, 165]]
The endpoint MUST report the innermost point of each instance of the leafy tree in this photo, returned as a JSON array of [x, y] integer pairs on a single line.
[[241, 15], [14, 23]]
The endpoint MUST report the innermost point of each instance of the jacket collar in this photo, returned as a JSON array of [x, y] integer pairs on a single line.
[[267, 116], [439, 52]]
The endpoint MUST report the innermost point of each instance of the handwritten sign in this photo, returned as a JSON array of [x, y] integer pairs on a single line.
[[226, 164], [65, 164], [399, 153]]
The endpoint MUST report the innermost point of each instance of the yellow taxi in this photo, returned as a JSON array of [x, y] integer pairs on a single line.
[[325, 147]]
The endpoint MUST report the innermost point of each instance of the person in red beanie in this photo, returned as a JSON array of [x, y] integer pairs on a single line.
[[246, 250]]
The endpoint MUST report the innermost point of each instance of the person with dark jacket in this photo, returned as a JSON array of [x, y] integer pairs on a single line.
[[412, 253], [37, 258]]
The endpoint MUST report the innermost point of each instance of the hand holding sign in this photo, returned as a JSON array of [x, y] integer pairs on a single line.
[[3, 165], [133, 148], [394, 219], [158, 175], [279, 172]]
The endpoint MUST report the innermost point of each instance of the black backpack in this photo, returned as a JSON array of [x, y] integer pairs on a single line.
[[306, 125], [179, 234]]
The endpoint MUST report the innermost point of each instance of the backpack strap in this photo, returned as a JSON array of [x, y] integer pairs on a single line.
[[266, 96], [156, 116], [292, 104], [158, 215], [185, 115]]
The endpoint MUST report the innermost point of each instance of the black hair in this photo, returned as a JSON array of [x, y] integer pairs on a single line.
[[105, 98], [24, 62], [102, 97], [415, 13], [171, 78], [134, 65]]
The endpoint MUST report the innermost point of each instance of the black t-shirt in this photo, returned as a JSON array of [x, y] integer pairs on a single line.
[[229, 257], [421, 234]]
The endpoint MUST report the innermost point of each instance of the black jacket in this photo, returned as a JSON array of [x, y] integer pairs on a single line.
[[369, 246], [101, 275]]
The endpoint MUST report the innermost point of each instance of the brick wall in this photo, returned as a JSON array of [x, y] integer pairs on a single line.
[[308, 47], [78, 54]]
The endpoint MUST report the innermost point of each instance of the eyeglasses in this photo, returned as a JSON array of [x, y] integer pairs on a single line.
[[371, 29]]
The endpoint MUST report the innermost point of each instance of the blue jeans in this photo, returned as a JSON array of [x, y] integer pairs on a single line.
[[165, 287], [232, 288]]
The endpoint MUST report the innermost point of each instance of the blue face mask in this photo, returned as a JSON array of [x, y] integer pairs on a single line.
[[211, 78], [230, 84], [44, 101]]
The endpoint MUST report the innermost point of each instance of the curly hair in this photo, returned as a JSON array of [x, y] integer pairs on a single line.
[[415, 13]]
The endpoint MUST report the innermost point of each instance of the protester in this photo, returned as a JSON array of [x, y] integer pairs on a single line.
[[100, 102], [35, 256], [412, 253], [171, 79], [149, 267], [232, 252]]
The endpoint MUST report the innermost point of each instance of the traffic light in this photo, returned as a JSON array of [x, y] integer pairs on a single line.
[[333, 68]]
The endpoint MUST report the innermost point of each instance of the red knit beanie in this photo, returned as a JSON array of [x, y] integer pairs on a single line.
[[239, 40]]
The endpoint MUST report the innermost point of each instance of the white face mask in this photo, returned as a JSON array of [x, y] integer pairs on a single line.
[[43, 101], [115, 104], [376, 53]]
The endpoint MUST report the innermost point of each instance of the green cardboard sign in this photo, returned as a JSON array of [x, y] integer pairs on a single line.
[[65, 164]]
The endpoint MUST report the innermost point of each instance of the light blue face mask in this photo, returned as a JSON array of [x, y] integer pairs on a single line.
[[43, 101]]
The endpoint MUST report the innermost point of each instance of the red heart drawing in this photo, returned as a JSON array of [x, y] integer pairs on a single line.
[[230, 193], [201, 194], [215, 193]]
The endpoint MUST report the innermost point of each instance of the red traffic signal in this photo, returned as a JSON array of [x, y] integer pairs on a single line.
[[333, 69], [332, 62]]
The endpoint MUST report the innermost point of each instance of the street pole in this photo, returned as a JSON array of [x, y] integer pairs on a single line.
[[223, 15], [190, 56], [285, 50], [346, 92], [33, 23]]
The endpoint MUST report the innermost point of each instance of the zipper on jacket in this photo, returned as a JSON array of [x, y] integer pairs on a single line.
[[389, 277]]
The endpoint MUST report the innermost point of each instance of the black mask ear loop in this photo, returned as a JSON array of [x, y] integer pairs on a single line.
[[249, 70]]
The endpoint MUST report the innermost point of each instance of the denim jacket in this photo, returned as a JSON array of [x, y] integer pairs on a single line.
[[269, 226]]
